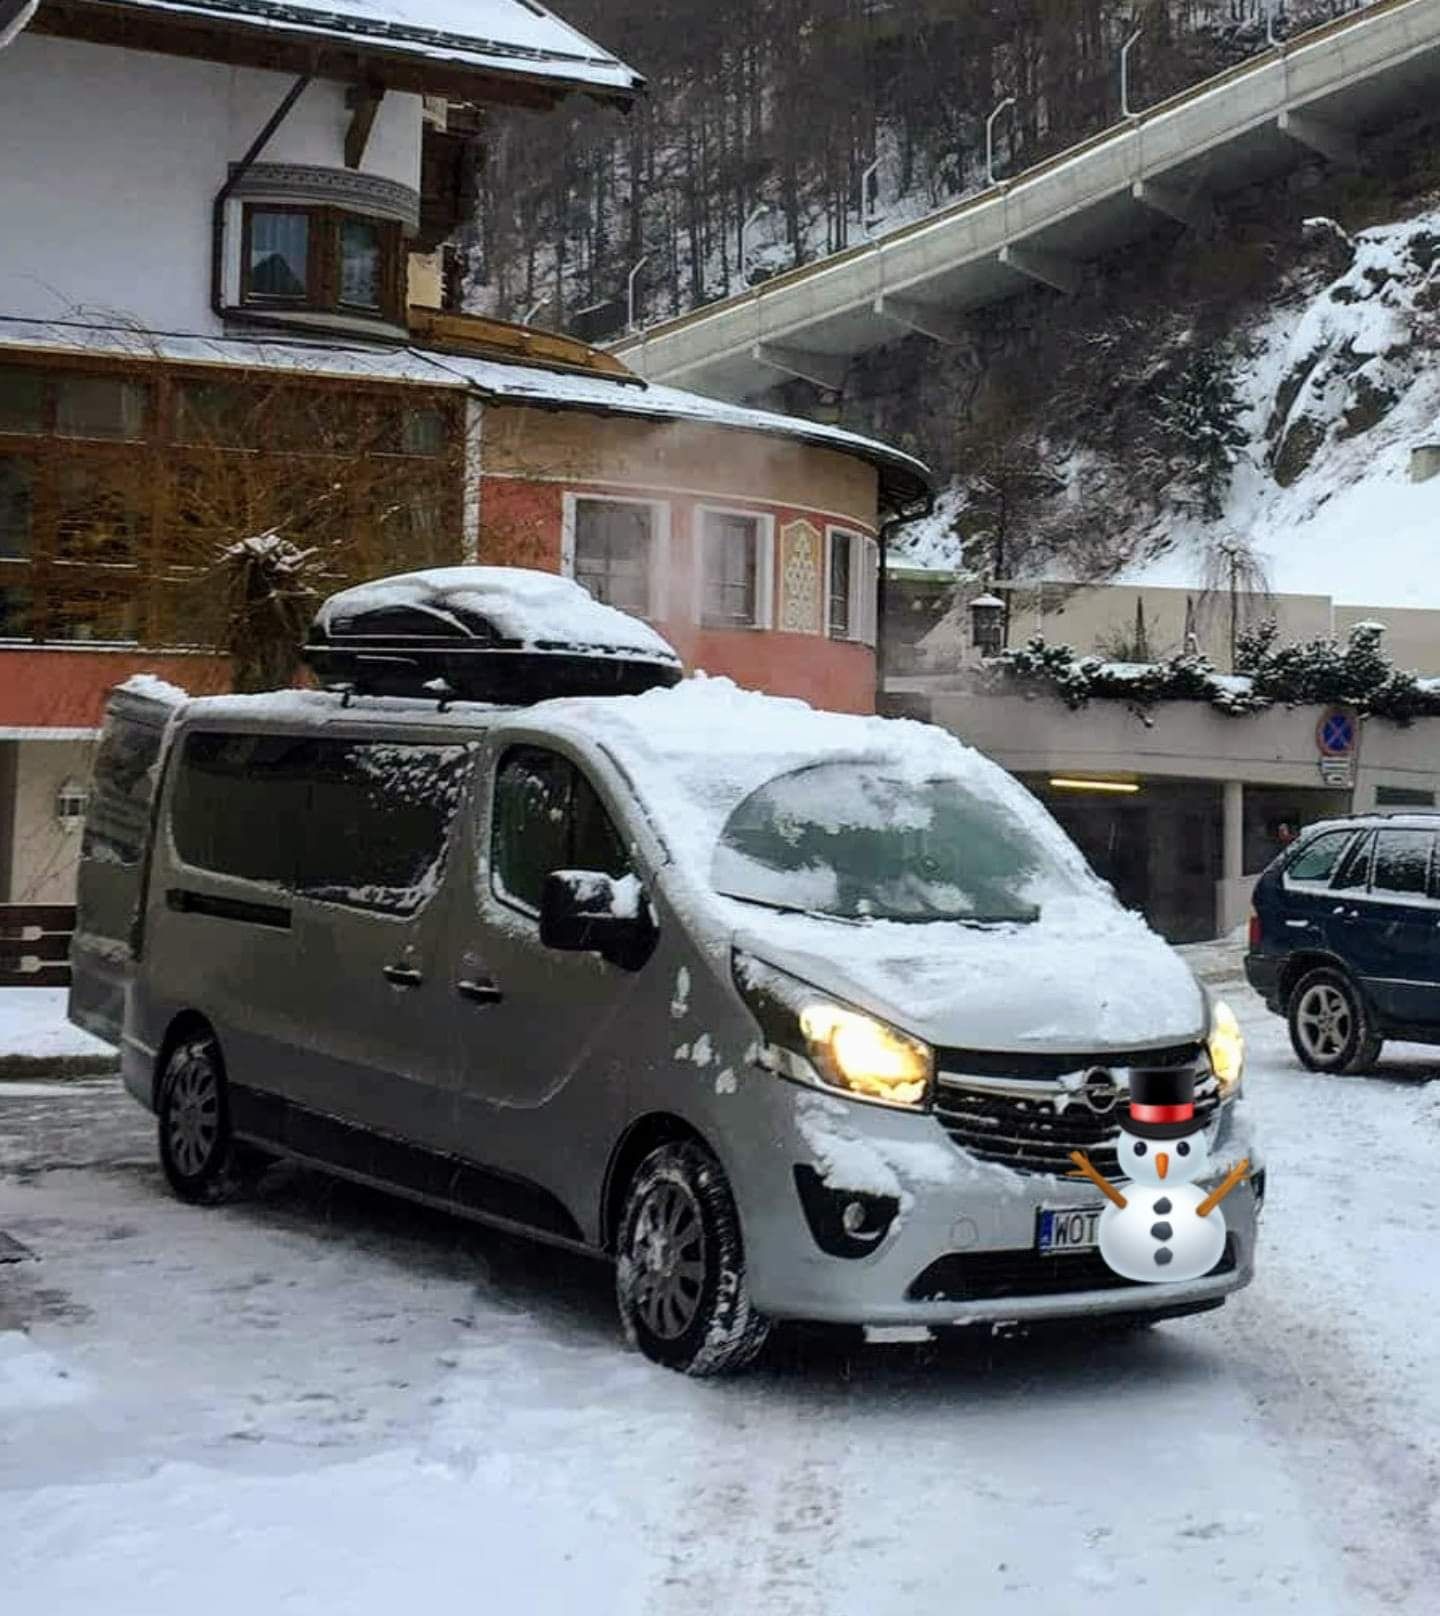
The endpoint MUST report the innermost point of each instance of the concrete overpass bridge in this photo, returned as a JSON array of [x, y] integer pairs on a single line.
[[1321, 91]]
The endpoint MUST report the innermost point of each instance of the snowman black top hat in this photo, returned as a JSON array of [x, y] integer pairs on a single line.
[[1162, 1102]]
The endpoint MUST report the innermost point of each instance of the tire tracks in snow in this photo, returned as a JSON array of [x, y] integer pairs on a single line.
[[757, 1523]]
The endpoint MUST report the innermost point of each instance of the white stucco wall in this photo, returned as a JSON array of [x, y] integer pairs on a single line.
[[110, 160], [43, 854]]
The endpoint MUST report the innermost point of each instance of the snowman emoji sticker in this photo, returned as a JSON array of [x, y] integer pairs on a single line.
[[1160, 1226]]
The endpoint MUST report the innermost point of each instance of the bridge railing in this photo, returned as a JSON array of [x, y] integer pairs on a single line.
[[1254, 65]]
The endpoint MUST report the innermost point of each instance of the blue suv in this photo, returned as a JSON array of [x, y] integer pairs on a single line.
[[1345, 938]]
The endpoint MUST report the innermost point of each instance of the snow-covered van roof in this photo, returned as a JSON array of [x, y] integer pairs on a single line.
[[904, 481], [460, 45]]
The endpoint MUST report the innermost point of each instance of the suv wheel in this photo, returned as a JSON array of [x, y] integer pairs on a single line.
[[197, 1151], [680, 1266], [1329, 1024]]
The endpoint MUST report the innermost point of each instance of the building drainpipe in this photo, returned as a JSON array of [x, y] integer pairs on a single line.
[[882, 586], [238, 171]]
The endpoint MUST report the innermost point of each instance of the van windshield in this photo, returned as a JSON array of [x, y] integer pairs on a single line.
[[859, 842]]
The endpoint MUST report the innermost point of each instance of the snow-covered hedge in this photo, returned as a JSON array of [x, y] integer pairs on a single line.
[[1318, 672]]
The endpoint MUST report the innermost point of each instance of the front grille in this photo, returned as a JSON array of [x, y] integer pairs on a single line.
[[984, 1276], [1031, 1126]]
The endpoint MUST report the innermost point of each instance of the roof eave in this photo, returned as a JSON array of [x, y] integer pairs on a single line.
[[247, 42]]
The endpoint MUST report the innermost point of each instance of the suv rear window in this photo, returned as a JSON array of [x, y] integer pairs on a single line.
[[1317, 860], [1354, 868], [1402, 862]]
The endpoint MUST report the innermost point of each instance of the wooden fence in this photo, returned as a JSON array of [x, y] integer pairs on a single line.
[[35, 944]]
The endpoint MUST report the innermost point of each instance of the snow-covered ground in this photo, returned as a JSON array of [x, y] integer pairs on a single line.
[[33, 1025], [321, 1400]]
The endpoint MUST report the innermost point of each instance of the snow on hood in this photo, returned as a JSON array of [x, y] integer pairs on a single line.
[[1086, 975], [539, 610]]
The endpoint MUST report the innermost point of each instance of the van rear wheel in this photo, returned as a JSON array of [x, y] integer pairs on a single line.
[[680, 1266], [1330, 1026], [197, 1150]]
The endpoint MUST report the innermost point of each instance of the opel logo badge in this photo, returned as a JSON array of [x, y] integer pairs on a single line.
[[1100, 1092]]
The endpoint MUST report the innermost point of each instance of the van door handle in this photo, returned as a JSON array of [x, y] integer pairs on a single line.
[[403, 976], [480, 992]]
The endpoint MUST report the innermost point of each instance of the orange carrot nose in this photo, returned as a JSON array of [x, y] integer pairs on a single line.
[[1162, 1164]]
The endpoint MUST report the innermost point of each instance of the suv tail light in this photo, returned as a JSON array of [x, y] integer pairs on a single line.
[[1254, 931]]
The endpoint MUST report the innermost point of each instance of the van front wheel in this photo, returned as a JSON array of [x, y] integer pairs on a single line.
[[680, 1266], [197, 1151]]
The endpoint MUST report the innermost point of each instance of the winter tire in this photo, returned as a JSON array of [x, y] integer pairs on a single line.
[[1330, 1026], [680, 1266], [197, 1151]]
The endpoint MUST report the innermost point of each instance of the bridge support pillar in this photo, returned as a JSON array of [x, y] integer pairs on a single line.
[[1188, 209], [824, 370], [1338, 145], [925, 318], [1050, 269]]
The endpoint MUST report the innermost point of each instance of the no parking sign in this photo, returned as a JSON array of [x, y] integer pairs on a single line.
[[1336, 735]]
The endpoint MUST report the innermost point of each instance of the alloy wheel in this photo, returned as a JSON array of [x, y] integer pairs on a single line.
[[193, 1112], [667, 1250], [1325, 1021]]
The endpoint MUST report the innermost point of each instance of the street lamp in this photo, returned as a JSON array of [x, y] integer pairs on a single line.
[[987, 625], [865, 195], [1125, 111], [640, 263], [757, 212], [1009, 101]]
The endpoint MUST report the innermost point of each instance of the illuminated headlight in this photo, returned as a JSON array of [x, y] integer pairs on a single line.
[[813, 1039], [1227, 1049]]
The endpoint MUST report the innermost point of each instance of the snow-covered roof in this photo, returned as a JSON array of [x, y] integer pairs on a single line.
[[493, 37], [903, 479]]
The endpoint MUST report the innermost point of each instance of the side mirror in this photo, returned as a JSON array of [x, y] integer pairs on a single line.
[[586, 911]]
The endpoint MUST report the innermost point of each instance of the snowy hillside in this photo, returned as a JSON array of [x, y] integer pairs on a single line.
[[1334, 382], [1338, 389]]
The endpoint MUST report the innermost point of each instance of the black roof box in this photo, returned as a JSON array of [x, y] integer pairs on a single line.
[[492, 634]]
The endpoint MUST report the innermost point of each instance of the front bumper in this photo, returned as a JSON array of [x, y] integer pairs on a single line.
[[961, 1250]]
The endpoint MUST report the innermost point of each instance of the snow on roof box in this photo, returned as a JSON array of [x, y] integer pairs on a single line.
[[495, 634]]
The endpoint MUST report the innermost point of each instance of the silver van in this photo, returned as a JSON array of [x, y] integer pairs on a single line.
[[793, 1015]]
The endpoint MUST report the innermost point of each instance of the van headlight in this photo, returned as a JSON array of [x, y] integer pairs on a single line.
[[1226, 1044], [815, 1039]]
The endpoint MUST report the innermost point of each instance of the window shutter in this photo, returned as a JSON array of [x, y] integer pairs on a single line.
[[869, 590]]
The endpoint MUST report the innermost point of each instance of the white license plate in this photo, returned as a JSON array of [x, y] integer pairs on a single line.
[[1063, 1231]]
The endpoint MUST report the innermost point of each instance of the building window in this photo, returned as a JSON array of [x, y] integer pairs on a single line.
[[22, 407], [1385, 796], [119, 494], [277, 257], [734, 570], [614, 552], [17, 497], [839, 615], [322, 260]]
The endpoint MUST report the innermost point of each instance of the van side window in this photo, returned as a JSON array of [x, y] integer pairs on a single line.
[[378, 822], [239, 806], [547, 817], [1317, 861]]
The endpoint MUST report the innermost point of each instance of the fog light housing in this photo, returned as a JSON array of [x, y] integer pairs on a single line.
[[845, 1223]]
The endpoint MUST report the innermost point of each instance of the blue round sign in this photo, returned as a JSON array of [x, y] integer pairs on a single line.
[[1335, 733]]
